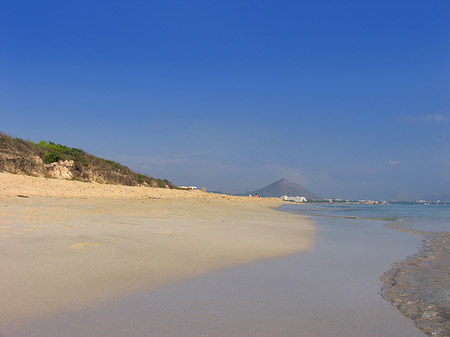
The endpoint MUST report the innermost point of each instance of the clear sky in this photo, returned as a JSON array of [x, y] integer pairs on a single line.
[[349, 98]]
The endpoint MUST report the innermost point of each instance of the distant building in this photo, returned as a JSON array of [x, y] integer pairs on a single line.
[[189, 187], [295, 199]]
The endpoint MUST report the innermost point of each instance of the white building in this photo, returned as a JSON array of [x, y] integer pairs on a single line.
[[295, 199]]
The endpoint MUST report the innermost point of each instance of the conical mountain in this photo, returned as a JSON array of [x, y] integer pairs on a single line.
[[285, 187]]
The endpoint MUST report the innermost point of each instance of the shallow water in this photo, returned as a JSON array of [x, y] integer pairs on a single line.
[[329, 291], [421, 217], [418, 286]]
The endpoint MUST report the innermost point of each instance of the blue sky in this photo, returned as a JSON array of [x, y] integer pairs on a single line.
[[349, 98]]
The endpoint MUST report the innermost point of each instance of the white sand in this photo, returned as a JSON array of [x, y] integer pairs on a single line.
[[71, 245]]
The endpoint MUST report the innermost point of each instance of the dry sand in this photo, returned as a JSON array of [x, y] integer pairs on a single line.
[[67, 245]]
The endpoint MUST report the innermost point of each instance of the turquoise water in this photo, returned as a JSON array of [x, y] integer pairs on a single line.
[[428, 218]]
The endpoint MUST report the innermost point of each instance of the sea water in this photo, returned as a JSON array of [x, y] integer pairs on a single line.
[[419, 285], [419, 217]]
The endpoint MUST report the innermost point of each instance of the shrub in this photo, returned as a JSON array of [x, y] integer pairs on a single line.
[[139, 178], [54, 152], [113, 163], [86, 166]]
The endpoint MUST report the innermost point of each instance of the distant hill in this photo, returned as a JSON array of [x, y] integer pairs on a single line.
[[285, 187], [52, 160]]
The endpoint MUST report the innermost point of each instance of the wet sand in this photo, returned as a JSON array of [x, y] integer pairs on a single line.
[[67, 245], [419, 285], [331, 290]]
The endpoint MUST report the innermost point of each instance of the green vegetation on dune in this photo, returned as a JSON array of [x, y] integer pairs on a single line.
[[24, 156], [55, 152]]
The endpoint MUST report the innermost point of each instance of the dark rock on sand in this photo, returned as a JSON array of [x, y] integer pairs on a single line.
[[420, 286]]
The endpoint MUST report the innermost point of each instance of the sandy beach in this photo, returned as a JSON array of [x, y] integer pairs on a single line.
[[69, 245], [331, 290]]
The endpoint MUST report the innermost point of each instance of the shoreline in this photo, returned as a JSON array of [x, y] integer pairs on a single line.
[[418, 285], [329, 291], [69, 245]]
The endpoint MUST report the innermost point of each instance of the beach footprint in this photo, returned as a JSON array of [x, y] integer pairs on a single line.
[[166, 232], [83, 245], [32, 228]]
